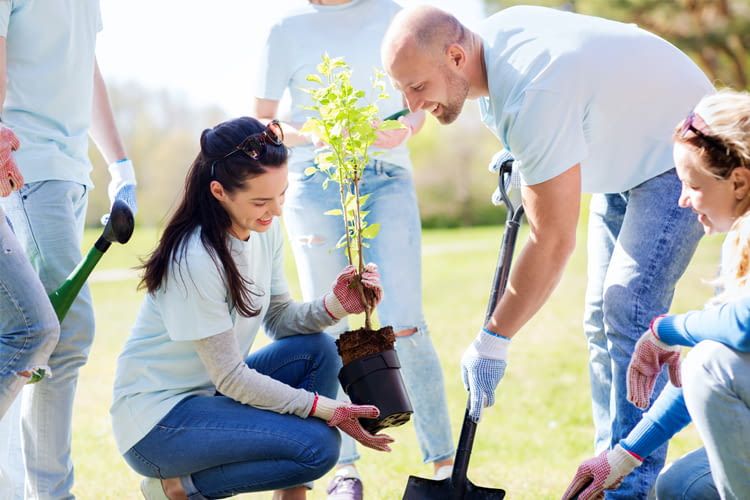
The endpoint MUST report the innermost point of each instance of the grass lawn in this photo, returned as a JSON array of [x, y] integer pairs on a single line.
[[529, 443]]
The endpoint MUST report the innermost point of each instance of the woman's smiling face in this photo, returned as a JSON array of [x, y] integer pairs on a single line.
[[253, 208]]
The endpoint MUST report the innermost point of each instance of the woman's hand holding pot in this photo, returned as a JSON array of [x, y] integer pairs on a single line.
[[346, 417], [345, 297]]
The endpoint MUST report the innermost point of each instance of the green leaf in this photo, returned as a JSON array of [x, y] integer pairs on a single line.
[[334, 211], [314, 78], [371, 231], [310, 170]]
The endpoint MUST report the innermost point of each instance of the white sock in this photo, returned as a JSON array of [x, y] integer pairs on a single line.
[[443, 472], [347, 471]]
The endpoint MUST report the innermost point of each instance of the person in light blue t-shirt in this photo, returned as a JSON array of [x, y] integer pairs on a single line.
[[584, 104], [712, 387], [353, 30], [53, 97], [192, 411]]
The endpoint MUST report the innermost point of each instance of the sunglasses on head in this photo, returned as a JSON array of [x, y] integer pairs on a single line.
[[689, 125], [255, 144]]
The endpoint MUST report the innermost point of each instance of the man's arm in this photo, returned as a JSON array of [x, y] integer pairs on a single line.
[[552, 209], [103, 128]]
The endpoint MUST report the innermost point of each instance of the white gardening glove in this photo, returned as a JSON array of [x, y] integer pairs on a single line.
[[603, 472], [482, 366], [122, 183]]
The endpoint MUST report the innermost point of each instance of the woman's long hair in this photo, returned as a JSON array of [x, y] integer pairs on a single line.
[[198, 208]]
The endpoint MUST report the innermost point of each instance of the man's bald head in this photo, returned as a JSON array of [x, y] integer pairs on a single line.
[[422, 28]]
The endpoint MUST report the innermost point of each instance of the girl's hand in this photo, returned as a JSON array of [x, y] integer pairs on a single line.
[[345, 298]]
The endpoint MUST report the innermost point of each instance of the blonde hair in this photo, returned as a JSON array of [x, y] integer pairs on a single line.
[[726, 144], [727, 118], [734, 276]]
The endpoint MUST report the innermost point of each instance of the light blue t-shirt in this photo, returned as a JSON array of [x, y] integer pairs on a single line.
[[567, 88], [50, 61], [297, 42], [159, 365]]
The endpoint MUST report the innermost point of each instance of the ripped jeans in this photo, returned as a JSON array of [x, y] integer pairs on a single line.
[[397, 252], [29, 329]]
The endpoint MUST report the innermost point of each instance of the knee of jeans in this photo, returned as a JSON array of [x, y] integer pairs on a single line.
[[311, 240], [324, 446], [328, 363], [49, 333], [618, 309], [678, 481], [707, 364]]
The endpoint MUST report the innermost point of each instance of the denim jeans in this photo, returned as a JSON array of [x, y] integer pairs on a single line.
[[397, 252], [28, 326], [716, 382], [219, 447], [639, 244], [48, 219]]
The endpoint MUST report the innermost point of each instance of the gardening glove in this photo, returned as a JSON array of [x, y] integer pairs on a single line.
[[10, 176], [482, 367], [649, 356], [604, 472], [389, 139], [346, 417], [344, 298], [122, 183]]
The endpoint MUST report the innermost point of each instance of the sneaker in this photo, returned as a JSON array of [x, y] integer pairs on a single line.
[[443, 472], [344, 488], [152, 490]]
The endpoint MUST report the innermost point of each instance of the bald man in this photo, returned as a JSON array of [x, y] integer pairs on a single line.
[[585, 105]]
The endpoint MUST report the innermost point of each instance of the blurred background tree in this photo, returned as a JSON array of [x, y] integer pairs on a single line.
[[162, 130]]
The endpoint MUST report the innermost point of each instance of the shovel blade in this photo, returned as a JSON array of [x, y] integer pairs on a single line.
[[419, 488]]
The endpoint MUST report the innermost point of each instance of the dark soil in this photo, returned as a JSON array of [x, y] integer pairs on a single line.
[[360, 343]]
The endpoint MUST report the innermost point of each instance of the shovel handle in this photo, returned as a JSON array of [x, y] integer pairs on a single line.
[[499, 282]]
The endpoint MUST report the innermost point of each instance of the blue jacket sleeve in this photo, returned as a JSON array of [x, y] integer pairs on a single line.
[[728, 324], [667, 417]]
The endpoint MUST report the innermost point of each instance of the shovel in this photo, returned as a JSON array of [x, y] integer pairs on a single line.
[[118, 229], [458, 486]]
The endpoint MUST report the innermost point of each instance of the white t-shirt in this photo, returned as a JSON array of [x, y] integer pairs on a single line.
[[567, 88], [296, 44], [50, 63], [159, 365]]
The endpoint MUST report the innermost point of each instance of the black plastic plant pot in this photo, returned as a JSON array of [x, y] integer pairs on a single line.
[[376, 380]]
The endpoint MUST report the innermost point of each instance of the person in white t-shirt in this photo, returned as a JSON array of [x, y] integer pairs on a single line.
[[191, 410], [353, 29], [584, 104]]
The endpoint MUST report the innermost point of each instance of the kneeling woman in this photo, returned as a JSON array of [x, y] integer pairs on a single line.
[[190, 412]]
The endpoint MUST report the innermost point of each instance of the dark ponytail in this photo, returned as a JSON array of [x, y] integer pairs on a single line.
[[199, 208]]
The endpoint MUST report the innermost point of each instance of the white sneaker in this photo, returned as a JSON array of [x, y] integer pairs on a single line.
[[152, 489], [443, 472]]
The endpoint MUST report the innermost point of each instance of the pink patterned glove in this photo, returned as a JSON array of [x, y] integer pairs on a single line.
[[346, 417], [345, 298], [10, 176], [389, 139], [604, 472], [649, 356]]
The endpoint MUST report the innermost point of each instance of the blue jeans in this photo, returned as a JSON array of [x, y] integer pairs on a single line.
[[219, 447], [397, 252], [639, 244], [48, 219], [28, 326], [716, 382]]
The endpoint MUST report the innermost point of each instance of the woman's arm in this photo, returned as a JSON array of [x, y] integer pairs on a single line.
[[267, 109], [226, 368], [667, 417], [728, 324], [286, 317]]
